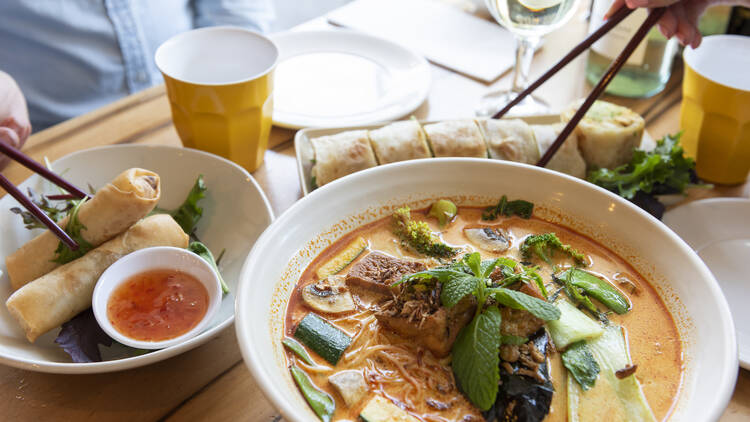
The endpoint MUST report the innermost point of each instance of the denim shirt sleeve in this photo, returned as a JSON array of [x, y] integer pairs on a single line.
[[251, 14]]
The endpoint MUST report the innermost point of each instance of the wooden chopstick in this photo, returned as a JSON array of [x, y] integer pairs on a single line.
[[645, 27], [38, 213], [616, 18], [32, 165]]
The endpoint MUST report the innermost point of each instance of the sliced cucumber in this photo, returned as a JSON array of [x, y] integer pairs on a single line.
[[343, 258], [572, 326], [322, 337], [380, 409], [329, 295]]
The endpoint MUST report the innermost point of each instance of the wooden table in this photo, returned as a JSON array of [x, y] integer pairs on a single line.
[[211, 382]]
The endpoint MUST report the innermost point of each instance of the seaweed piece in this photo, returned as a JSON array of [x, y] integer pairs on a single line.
[[522, 398]]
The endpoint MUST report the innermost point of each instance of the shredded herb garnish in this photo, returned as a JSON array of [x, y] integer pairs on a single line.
[[63, 254]]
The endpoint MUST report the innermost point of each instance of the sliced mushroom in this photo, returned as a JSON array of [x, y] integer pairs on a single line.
[[329, 295], [488, 238], [351, 385]]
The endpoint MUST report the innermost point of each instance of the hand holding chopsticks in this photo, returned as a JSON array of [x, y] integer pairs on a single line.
[[27, 162], [616, 18]]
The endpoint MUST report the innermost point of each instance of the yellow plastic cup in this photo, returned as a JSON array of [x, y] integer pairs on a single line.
[[715, 113], [220, 88]]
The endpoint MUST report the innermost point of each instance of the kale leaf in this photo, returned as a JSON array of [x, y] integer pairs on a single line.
[[519, 207], [544, 246]]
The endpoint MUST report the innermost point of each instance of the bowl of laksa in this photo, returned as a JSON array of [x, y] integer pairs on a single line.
[[472, 290]]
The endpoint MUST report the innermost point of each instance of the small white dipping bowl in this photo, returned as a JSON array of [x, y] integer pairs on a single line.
[[156, 258]]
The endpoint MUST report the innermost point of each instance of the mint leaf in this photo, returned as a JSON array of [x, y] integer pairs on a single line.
[[457, 288], [514, 340], [456, 283], [476, 358], [189, 213], [489, 264], [474, 262], [517, 300], [581, 364]]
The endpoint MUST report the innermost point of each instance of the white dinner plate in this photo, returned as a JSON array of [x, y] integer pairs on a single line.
[[236, 212], [718, 230], [345, 78]]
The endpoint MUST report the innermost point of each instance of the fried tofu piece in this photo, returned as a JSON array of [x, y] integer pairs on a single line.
[[518, 322], [433, 329], [378, 271]]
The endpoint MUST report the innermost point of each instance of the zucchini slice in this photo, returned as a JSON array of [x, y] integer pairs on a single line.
[[322, 337], [380, 409], [343, 258], [329, 295]]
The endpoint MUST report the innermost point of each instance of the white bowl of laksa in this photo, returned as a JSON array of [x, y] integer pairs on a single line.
[[467, 289]]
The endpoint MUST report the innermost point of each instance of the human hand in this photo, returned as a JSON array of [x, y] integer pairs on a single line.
[[680, 18], [14, 117]]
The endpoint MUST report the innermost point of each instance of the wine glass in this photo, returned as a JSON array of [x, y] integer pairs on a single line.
[[528, 20]]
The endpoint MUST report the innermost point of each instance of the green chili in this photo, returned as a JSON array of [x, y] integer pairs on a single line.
[[597, 288], [298, 350], [321, 403]]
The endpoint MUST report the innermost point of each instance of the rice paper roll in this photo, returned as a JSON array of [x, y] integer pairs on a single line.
[[456, 138], [399, 141], [510, 140], [568, 158], [339, 155], [115, 207], [58, 296], [607, 134]]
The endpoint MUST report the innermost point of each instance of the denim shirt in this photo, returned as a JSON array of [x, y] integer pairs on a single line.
[[73, 56]]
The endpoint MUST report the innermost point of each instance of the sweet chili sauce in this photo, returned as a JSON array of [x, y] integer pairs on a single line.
[[157, 305]]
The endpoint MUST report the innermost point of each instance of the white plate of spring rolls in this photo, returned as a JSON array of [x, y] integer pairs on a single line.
[[40, 295], [604, 138]]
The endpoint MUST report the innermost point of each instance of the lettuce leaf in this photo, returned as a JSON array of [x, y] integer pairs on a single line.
[[81, 336]]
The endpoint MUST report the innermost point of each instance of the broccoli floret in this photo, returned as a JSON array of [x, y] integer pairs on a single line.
[[544, 246], [418, 236]]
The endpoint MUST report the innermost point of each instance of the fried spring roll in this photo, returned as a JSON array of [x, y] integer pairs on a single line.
[[341, 154], [568, 158], [58, 296], [510, 140], [399, 141], [456, 138], [114, 208], [607, 134]]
